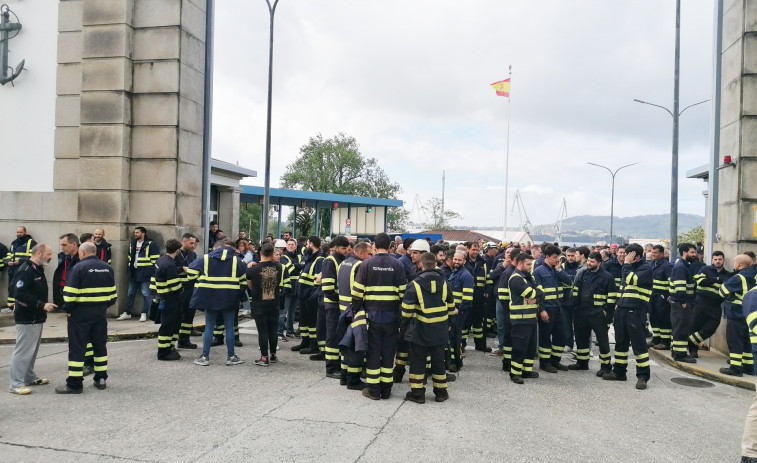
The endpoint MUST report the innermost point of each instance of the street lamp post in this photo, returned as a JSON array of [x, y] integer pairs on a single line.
[[612, 195], [267, 187], [675, 114]]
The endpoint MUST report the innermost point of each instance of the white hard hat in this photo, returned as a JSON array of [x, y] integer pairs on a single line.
[[420, 245], [280, 244]]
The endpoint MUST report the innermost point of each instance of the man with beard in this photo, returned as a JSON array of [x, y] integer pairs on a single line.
[[19, 251], [682, 294], [475, 319], [659, 307], [184, 257], [461, 284], [550, 278], [707, 305], [524, 307], [103, 247], [308, 293], [571, 267]]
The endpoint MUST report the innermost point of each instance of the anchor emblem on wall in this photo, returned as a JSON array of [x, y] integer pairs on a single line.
[[8, 30]]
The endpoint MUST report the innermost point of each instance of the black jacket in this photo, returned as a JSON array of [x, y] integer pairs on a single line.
[[593, 292], [426, 308], [104, 252], [29, 286], [90, 284], [636, 286], [65, 265]]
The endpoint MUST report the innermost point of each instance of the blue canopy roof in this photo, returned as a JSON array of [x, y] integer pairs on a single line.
[[298, 198]]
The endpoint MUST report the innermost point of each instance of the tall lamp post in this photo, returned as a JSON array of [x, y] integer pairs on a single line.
[[267, 187], [675, 114], [612, 195]]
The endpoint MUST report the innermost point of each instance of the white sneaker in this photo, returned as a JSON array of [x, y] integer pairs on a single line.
[[6, 310], [143, 317], [124, 316]]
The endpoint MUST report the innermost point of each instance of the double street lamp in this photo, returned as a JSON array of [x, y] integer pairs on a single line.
[[612, 195]]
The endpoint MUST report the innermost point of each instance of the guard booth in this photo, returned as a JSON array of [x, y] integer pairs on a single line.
[[350, 215]]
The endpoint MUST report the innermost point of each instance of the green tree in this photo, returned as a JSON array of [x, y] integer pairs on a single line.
[[335, 165], [397, 218], [693, 236], [249, 221], [439, 218]]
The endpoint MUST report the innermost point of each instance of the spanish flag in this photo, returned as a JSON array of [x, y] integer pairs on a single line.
[[502, 87]]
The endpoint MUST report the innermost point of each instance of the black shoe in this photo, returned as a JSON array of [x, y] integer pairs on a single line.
[[100, 383], [548, 368], [87, 370], [661, 346], [530, 374], [367, 393], [560, 367], [748, 459], [416, 395], [337, 375], [64, 389], [578, 366], [440, 394], [386, 393], [641, 384], [451, 377], [491, 335], [730, 372], [217, 342], [398, 373], [611, 376], [453, 368], [342, 381], [317, 357], [651, 343], [516, 379], [685, 359], [297, 348], [238, 343], [308, 350], [484, 349], [603, 372], [195, 333], [187, 345], [694, 355], [172, 355], [359, 386]]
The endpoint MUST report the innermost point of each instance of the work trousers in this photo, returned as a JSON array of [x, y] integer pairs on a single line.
[[418, 355], [455, 340], [87, 324], [659, 318], [353, 364], [551, 335], [320, 327], [24, 355], [332, 312], [266, 320], [584, 325], [524, 348], [568, 317], [475, 323], [490, 315], [707, 316], [681, 319], [308, 322], [382, 344], [220, 326], [739, 347], [187, 315], [630, 330], [170, 320], [749, 438]]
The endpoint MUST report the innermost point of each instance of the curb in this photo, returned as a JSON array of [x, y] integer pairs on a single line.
[[112, 337], [703, 373]]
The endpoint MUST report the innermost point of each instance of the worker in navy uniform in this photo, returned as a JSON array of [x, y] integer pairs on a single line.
[[379, 285], [166, 285], [503, 318], [143, 254], [630, 317], [426, 309], [749, 438], [351, 361], [474, 320], [67, 258], [524, 309], [708, 309], [185, 256], [414, 252], [682, 295], [490, 312], [737, 332], [89, 291], [103, 247], [550, 279], [462, 285], [659, 306], [593, 300], [20, 250], [308, 293], [330, 289], [31, 292]]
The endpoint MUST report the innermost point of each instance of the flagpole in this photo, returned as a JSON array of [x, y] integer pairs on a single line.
[[507, 154]]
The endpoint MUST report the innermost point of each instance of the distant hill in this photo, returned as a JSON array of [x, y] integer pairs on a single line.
[[640, 226]]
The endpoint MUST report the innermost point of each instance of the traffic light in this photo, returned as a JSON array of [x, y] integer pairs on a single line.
[[368, 209]]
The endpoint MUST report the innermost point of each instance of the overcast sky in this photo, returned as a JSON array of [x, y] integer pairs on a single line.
[[410, 81]]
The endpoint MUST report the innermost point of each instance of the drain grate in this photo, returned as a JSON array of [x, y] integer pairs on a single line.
[[691, 382]]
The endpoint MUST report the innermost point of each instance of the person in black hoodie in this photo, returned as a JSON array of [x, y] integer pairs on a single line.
[[18, 253]]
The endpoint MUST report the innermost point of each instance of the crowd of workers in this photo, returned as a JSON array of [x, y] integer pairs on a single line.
[[374, 309]]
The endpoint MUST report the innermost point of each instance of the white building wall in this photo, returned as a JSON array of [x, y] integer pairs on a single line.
[[27, 109]]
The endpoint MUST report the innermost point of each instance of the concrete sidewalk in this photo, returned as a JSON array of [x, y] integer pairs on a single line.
[[708, 365], [55, 329]]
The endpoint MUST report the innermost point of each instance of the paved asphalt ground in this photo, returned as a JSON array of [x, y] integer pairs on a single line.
[[289, 412]]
